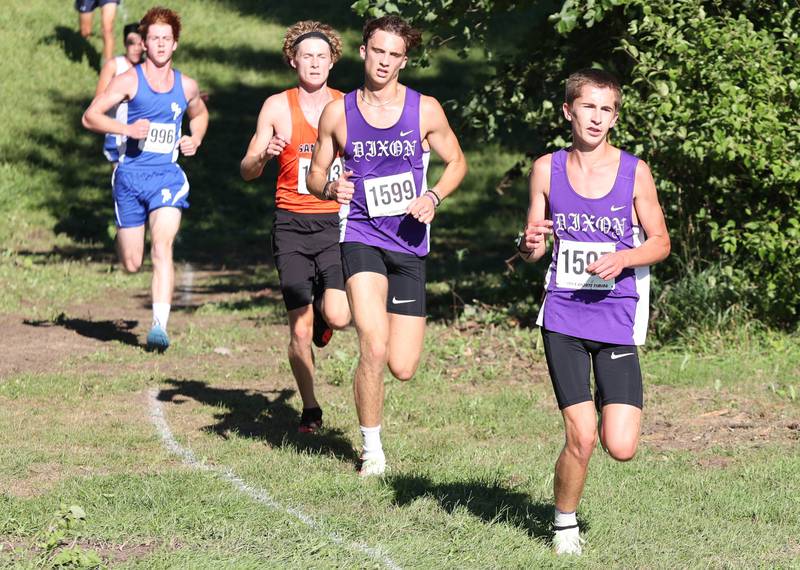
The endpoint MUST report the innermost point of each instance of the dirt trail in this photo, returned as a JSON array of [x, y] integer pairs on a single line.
[[38, 346], [690, 419]]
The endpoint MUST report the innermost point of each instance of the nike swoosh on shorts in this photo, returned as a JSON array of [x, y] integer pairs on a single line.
[[396, 301], [615, 356]]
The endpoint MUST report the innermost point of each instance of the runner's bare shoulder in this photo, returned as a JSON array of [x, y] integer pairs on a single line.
[[190, 88], [540, 173]]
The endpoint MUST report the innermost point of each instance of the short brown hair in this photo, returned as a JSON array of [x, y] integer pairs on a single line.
[[160, 15], [596, 77], [394, 25], [294, 32]]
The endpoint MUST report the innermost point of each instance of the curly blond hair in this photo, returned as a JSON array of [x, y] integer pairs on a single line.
[[304, 27]]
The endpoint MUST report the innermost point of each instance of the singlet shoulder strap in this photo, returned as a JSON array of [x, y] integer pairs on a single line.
[[558, 164], [413, 99], [350, 101], [628, 164], [177, 82], [558, 172], [121, 64], [294, 108]]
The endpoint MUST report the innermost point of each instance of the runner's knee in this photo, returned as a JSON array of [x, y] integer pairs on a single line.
[[337, 317], [132, 265], [582, 445], [403, 371], [161, 251], [374, 352], [302, 333], [621, 450]]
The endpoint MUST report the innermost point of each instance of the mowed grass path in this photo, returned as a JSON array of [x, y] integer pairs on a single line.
[[471, 440]]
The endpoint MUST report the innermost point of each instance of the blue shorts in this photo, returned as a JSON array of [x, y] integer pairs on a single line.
[[139, 192], [84, 6]]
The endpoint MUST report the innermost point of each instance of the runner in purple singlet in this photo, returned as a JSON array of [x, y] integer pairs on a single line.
[[384, 130], [608, 227]]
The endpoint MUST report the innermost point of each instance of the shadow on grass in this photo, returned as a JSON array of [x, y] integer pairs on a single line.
[[260, 415], [490, 502], [105, 331], [75, 46]]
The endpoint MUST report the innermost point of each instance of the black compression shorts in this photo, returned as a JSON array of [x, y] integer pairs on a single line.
[[306, 252], [404, 271], [618, 377]]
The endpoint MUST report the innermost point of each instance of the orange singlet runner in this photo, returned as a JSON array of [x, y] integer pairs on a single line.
[[293, 164]]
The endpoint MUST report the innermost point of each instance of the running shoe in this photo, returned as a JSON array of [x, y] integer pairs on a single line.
[[568, 542], [157, 339], [372, 466], [322, 332], [310, 420]]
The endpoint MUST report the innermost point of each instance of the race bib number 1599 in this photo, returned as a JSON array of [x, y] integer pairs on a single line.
[[389, 195], [573, 259]]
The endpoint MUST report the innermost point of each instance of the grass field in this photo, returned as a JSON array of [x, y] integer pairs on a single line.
[[90, 423]]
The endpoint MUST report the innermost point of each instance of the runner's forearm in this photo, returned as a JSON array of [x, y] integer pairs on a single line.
[[653, 250], [198, 126], [452, 176], [101, 123], [252, 166], [316, 183]]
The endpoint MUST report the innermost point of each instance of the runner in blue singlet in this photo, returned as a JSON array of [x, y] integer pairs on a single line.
[[134, 51], [149, 186]]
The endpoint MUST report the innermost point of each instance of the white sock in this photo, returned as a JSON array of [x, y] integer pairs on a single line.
[[565, 520], [372, 441], [161, 314]]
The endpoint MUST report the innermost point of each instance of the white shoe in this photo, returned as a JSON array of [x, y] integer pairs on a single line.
[[371, 466], [568, 541]]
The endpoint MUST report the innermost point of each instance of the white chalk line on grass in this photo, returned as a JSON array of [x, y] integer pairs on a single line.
[[160, 422]]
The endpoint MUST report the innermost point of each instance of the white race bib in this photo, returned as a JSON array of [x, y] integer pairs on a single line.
[[573, 259], [304, 165], [389, 195], [160, 138]]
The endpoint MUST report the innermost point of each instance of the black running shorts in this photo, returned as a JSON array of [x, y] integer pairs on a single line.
[[404, 271], [617, 375], [306, 252]]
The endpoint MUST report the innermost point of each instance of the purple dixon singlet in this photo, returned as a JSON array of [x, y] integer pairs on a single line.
[[165, 113], [579, 304], [388, 172]]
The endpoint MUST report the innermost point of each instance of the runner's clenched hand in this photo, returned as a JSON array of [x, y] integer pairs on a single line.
[[342, 189], [422, 208], [138, 130]]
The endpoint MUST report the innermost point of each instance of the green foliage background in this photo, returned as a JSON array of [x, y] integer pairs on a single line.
[[711, 101]]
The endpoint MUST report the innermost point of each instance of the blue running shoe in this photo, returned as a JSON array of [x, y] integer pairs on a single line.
[[157, 339]]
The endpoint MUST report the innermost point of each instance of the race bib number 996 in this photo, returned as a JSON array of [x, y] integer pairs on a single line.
[[389, 195], [573, 259], [160, 138], [304, 165]]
